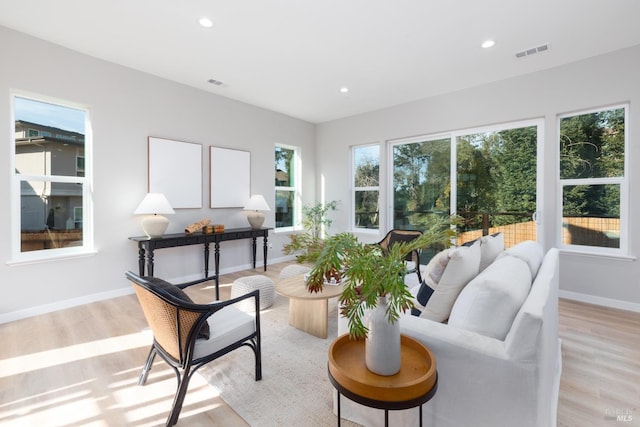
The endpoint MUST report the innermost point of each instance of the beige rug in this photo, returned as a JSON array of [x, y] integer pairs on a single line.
[[295, 388]]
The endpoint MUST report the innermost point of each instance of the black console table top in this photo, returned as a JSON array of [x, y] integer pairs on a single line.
[[147, 246]]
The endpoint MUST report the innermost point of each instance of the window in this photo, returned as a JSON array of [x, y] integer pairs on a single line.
[[51, 191], [366, 187], [592, 179], [487, 176], [286, 182], [420, 181]]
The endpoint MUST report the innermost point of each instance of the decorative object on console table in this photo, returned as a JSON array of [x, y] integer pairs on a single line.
[[153, 204], [256, 204], [197, 226]]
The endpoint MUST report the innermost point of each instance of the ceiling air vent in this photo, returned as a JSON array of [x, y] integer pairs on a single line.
[[532, 51], [215, 82]]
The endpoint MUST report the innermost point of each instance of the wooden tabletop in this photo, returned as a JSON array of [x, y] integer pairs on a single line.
[[296, 287], [416, 378]]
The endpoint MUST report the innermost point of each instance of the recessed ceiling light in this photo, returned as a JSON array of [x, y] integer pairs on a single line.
[[488, 43], [344, 89], [205, 22]]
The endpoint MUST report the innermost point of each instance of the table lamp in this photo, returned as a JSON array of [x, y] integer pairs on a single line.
[[256, 204], [153, 204]]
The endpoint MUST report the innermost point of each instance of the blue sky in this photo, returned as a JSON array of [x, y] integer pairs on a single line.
[[50, 114]]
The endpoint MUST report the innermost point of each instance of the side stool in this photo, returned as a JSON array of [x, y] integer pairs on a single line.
[[247, 284]]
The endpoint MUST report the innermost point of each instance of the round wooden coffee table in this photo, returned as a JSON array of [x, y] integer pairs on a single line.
[[415, 383], [308, 311]]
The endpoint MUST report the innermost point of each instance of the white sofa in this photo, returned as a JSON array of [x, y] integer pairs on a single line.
[[497, 366]]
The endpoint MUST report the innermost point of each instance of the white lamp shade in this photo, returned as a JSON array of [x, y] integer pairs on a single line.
[[154, 203], [257, 203]]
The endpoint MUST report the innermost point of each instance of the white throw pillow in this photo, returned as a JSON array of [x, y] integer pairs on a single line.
[[528, 251], [490, 302], [462, 267], [490, 247]]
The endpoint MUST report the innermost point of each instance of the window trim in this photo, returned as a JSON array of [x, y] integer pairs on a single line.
[[87, 247], [378, 188], [297, 204], [623, 181]]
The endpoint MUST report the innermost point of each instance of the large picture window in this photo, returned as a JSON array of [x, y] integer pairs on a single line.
[[286, 186], [51, 179], [366, 187], [592, 179], [487, 176]]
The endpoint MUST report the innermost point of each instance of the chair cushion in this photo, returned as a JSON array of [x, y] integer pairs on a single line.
[[228, 326], [178, 293], [490, 302], [462, 266]]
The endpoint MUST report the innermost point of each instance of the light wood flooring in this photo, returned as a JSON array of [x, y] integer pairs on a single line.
[[79, 367]]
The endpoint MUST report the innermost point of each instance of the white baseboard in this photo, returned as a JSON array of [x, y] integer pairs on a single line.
[[74, 302], [61, 305], [606, 302]]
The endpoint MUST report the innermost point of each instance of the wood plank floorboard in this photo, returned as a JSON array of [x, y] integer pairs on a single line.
[[79, 367]]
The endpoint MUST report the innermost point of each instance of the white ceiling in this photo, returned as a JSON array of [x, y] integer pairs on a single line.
[[293, 56]]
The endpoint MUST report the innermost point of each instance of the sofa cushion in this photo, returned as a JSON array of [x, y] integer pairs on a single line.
[[490, 247], [462, 266], [490, 302], [528, 251]]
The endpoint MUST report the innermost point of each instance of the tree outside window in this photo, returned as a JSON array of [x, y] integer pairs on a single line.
[[592, 177], [286, 186], [366, 187]]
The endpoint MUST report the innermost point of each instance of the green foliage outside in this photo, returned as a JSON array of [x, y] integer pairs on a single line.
[[592, 146]]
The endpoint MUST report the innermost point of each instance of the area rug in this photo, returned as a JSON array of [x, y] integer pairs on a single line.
[[295, 388]]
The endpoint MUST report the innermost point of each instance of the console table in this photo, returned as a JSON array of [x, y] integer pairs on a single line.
[[147, 246]]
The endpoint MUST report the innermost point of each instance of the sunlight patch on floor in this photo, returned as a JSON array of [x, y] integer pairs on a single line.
[[48, 358]]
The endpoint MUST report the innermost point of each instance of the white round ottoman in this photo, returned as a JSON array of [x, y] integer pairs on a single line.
[[248, 284], [294, 270]]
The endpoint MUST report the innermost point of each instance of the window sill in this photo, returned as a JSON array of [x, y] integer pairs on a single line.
[[51, 257], [579, 253]]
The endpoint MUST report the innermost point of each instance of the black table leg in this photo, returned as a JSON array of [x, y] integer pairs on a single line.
[[141, 252], [339, 414], [386, 418], [216, 256], [253, 250], [265, 246], [150, 262]]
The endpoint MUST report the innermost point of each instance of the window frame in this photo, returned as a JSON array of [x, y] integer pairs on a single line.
[[87, 247], [623, 182], [295, 189], [355, 189]]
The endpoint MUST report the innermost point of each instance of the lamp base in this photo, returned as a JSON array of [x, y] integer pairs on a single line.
[[154, 225], [255, 218]]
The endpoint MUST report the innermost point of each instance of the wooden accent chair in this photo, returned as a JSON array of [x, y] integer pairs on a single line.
[[188, 335], [396, 236]]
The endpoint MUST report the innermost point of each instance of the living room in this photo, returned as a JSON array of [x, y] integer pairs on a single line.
[[127, 106]]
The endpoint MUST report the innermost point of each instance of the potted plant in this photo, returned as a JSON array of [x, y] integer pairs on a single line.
[[308, 245], [373, 279]]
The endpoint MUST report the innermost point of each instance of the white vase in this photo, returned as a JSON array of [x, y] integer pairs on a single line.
[[382, 346]]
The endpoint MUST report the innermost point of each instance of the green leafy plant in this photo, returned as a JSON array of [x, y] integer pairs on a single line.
[[315, 220], [369, 272]]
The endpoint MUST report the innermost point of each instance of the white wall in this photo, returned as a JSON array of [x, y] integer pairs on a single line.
[[126, 107], [596, 82]]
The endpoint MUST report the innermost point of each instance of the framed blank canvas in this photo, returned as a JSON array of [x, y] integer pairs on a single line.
[[230, 174], [175, 169]]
